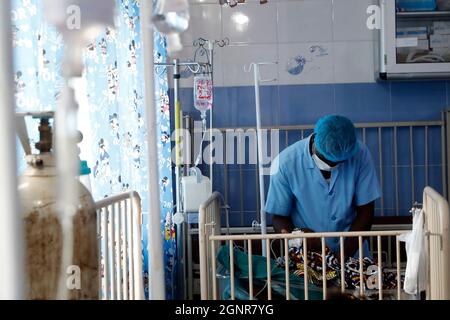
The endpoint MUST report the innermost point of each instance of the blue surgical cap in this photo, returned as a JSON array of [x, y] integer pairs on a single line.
[[335, 138]]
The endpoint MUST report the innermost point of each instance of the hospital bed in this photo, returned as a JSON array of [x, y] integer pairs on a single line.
[[408, 156], [211, 239]]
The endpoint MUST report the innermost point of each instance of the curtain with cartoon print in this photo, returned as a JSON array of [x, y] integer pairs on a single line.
[[118, 149], [113, 121], [38, 51]]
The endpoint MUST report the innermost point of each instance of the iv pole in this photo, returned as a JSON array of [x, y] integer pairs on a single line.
[[262, 199], [179, 216], [11, 228]]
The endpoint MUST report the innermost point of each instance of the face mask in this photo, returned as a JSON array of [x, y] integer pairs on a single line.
[[323, 166]]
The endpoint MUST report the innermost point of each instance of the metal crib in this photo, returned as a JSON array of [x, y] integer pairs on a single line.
[[436, 227], [119, 236]]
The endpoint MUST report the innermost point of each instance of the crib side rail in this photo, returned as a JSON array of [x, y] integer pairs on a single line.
[[209, 224], [120, 258], [215, 240], [437, 230]]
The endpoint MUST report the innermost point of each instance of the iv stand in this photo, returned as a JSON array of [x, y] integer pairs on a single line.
[[181, 225], [262, 200], [195, 67], [205, 47]]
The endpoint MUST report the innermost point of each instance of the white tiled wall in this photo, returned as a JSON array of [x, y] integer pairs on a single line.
[[329, 37]]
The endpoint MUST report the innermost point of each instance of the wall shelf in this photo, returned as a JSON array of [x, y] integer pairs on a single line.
[[409, 46], [423, 14]]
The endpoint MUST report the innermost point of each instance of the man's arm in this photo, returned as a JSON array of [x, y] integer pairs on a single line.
[[362, 222], [282, 224]]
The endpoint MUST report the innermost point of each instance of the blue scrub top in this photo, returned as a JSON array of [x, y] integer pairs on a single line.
[[299, 190]]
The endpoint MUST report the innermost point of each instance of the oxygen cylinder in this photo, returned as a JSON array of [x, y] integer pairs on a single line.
[[46, 276]]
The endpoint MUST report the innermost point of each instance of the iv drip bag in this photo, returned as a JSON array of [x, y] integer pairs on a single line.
[[203, 93]]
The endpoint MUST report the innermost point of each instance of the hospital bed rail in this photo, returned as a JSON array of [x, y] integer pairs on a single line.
[[119, 239], [436, 227]]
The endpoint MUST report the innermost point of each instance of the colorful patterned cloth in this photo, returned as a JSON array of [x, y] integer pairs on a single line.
[[333, 270]]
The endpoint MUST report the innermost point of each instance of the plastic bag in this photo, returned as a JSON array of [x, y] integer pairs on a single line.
[[416, 266]]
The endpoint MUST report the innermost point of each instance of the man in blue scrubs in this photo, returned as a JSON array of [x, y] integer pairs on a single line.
[[324, 183]]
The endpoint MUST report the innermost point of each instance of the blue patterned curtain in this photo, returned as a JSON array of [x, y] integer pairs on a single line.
[[114, 73], [116, 135], [38, 51]]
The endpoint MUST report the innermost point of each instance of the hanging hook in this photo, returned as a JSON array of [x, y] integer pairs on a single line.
[[257, 65], [222, 43], [196, 70]]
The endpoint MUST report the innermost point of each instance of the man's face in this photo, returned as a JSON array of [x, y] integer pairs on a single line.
[[322, 157]]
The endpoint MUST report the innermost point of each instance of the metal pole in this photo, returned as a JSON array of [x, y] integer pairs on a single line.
[[11, 228], [211, 60], [155, 252], [260, 156], [180, 226]]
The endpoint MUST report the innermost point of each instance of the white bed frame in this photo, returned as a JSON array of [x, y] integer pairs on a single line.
[[436, 228], [120, 258]]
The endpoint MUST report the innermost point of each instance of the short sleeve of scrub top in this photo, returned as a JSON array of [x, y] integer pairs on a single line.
[[280, 197], [367, 187]]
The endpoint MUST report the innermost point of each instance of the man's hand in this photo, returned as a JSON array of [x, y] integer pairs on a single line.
[[362, 222], [282, 224], [313, 244]]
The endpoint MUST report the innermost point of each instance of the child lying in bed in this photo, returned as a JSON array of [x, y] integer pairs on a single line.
[[333, 270]]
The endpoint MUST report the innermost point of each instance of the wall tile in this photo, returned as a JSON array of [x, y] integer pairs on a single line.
[[418, 100], [205, 22], [350, 20], [250, 23], [305, 104], [235, 106], [354, 62], [305, 63], [363, 101], [308, 20]]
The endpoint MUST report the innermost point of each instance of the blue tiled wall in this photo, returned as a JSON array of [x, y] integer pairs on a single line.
[[361, 102]]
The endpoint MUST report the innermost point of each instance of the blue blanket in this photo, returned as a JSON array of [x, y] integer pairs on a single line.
[[259, 265]]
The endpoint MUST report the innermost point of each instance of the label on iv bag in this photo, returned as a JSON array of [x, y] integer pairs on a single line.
[[203, 93]]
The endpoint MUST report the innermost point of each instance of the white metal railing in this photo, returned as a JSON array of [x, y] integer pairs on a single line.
[[120, 258], [208, 223], [437, 227]]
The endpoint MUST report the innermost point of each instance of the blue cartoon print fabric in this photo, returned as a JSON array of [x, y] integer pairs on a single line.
[[115, 76], [38, 51]]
